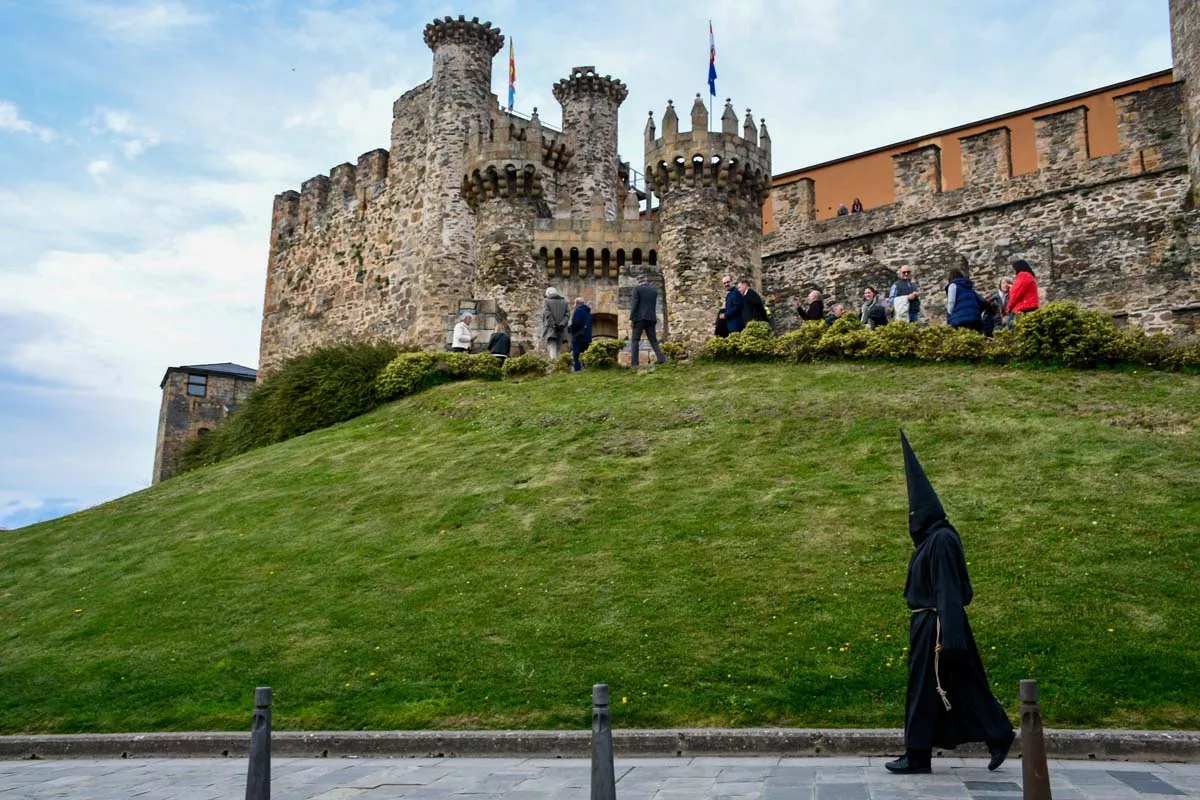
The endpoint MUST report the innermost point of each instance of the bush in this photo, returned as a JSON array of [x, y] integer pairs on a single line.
[[846, 338], [564, 362], [943, 343], [899, 341], [602, 353], [1064, 333], [675, 351], [408, 373], [718, 348], [529, 364], [802, 344], [755, 341], [311, 391]]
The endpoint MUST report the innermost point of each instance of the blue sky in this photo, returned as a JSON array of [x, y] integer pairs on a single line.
[[142, 141]]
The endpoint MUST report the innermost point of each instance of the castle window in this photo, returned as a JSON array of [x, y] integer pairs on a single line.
[[574, 262], [197, 385], [591, 263], [620, 258], [605, 263], [558, 262], [544, 262], [637, 256], [653, 258]]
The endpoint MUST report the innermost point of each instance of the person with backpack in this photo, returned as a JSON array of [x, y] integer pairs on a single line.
[[964, 306]]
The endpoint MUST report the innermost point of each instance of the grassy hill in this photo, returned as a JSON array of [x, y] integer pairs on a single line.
[[723, 544]]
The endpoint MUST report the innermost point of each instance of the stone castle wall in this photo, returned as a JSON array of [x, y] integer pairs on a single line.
[[182, 416], [1114, 233]]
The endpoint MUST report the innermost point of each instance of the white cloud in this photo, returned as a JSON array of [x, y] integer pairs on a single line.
[[140, 23], [99, 168], [11, 120]]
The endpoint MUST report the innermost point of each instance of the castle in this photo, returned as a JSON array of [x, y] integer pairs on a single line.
[[472, 207]]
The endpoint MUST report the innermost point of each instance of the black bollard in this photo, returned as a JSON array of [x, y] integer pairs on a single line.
[[604, 782], [1035, 773], [258, 778]]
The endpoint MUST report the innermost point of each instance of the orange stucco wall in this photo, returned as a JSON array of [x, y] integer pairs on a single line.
[[868, 176]]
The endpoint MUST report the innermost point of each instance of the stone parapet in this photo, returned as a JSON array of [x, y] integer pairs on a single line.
[[462, 31]]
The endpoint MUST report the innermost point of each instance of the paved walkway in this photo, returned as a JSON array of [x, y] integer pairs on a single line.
[[569, 779]]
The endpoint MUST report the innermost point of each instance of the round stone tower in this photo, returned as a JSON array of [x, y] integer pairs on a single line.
[[712, 187], [504, 182], [460, 96], [589, 109]]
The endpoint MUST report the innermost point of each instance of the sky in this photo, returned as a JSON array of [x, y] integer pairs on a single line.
[[142, 142]]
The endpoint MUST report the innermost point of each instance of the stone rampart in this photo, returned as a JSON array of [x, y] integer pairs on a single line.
[[1113, 233]]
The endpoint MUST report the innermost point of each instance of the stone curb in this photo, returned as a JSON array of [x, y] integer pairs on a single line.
[[1104, 745]]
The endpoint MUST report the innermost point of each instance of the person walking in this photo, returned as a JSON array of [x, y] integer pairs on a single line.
[[753, 307], [581, 332], [463, 335], [1024, 295], [500, 343], [904, 297], [964, 306], [554, 321], [949, 701], [732, 312], [644, 316]]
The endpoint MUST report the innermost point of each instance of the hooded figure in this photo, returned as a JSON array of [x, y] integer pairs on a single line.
[[949, 702]]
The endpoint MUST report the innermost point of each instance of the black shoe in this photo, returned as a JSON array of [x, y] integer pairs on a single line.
[[903, 766], [1000, 751]]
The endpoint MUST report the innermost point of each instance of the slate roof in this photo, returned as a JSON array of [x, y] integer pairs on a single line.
[[225, 368]]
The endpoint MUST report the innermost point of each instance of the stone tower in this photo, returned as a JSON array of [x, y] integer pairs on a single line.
[[507, 173], [460, 97], [589, 112], [1185, 48], [712, 187]]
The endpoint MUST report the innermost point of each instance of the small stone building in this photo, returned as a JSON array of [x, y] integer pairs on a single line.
[[196, 399]]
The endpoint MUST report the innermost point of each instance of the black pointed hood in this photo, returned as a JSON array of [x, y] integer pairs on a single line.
[[924, 508]]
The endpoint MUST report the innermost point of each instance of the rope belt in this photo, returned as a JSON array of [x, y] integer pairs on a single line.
[[937, 655]]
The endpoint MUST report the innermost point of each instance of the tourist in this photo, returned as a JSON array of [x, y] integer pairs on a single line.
[[581, 332], [1024, 295], [964, 306], [842, 210], [732, 313], [463, 335], [500, 343], [554, 321], [838, 311], [949, 701], [873, 314], [753, 307], [1002, 295], [644, 316], [856, 207], [905, 297], [815, 311]]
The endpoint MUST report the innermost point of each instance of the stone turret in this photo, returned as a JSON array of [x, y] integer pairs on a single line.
[[505, 184], [1185, 48], [460, 98], [589, 111], [712, 188]]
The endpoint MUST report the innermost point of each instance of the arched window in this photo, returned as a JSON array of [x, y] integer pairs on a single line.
[[558, 263], [654, 258], [620, 259], [605, 263], [590, 263], [637, 256], [544, 262], [574, 262]]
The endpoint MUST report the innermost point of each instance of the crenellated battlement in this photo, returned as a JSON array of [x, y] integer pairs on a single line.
[[739, 164], [464, 32], [1149, 128], [584, 82], [347, 187]]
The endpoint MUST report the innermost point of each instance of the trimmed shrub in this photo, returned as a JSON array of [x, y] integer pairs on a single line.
[[602, 353], [674, 351], [846, 338], [564, 362], [756, 341], [899, 341], [311, 391], [943, 343], [802, 344], [408, 373], [523, 366], [1064, 333], [718, 348]]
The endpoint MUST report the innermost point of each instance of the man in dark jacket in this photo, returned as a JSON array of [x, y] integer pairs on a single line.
[[964, 307], [949, 701], [581, 332], [732, 313], [753, 307], [644, 316]]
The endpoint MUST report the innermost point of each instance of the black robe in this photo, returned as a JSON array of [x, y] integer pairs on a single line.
[[937, 578]]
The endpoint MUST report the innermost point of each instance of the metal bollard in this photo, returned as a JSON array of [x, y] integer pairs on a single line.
[[258, 777], [604, 782], [1035, 773]]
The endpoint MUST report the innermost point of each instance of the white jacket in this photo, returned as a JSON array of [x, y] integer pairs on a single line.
[[463, 335]]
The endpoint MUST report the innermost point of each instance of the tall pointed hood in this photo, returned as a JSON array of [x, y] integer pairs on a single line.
[[924, 507]]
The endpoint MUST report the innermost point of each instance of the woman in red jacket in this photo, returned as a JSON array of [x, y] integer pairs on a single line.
[[1024, 294]]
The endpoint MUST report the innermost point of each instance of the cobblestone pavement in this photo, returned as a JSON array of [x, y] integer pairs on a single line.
[[569, 779]]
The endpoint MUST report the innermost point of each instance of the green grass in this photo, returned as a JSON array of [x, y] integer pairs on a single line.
[[723, 544]]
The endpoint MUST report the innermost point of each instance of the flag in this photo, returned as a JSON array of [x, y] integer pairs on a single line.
[[512, 75], [712, 62]]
